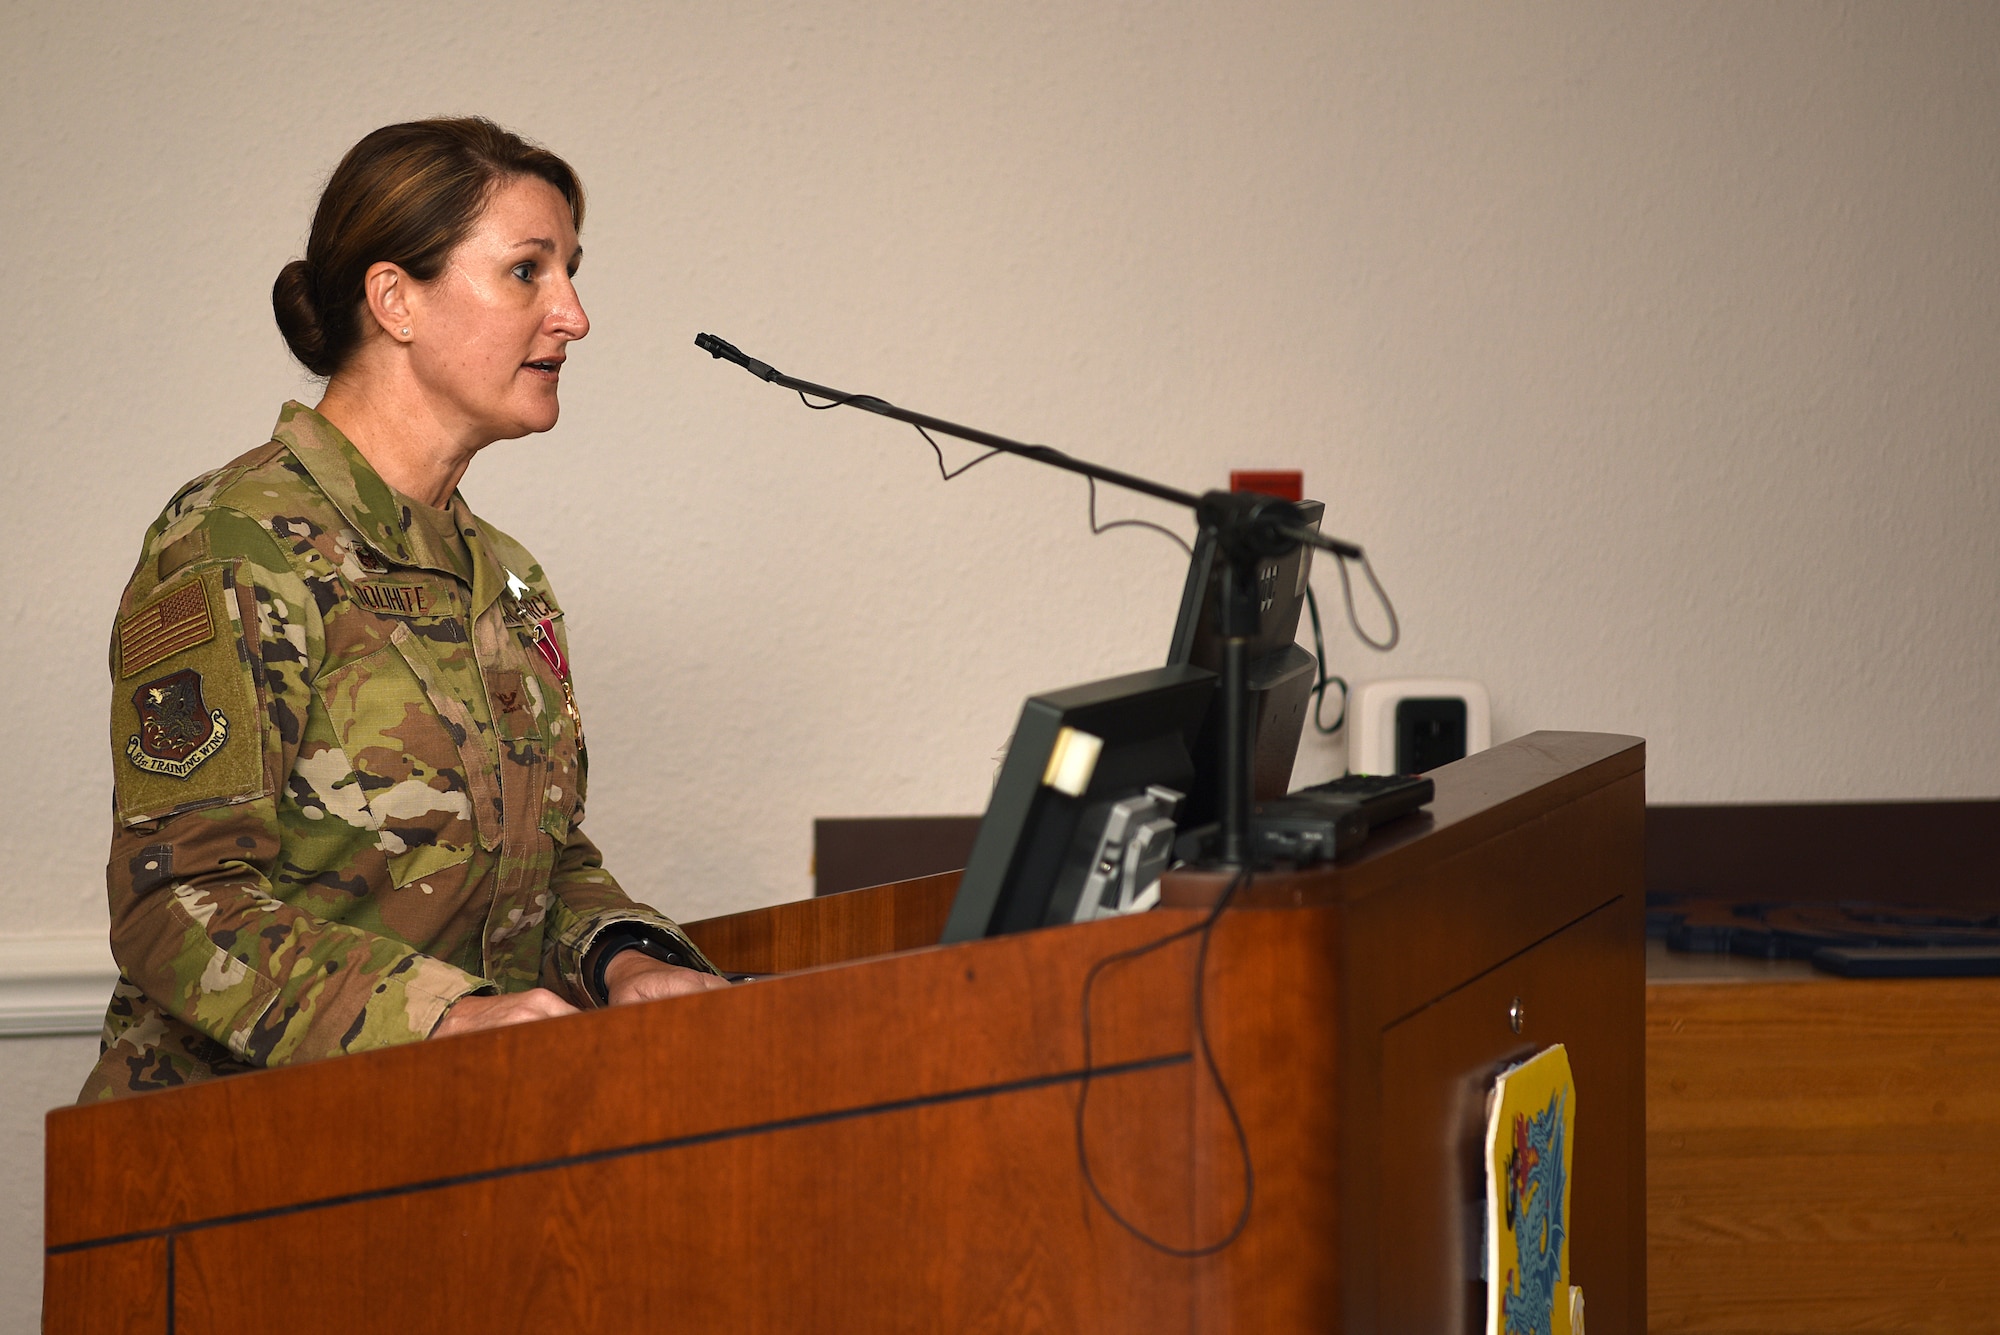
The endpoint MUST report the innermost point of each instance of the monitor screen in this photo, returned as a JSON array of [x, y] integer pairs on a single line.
[[1076, 755], [1281, 673]]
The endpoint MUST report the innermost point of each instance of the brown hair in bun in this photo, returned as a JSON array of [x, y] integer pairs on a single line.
[[406, 194]]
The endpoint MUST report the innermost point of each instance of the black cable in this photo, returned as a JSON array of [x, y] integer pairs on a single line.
[[1325, 679], [1097, 528], [1347, 592], [1204, 929], [841, 402], [940, 456], [948, 474]]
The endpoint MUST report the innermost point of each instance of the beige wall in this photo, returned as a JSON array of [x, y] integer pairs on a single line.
[[1649, 349], [40, 1072]]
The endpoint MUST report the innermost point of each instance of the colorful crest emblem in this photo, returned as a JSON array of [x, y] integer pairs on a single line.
[[1535, 1195], [177, 729], [1530, 1130]]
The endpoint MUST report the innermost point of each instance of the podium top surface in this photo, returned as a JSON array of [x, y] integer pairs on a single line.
[[1477, 797]]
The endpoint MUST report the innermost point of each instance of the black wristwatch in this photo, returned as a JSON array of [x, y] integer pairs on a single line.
[[621, 937]]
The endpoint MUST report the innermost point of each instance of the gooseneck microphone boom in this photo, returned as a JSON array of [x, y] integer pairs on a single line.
[[1289, 526], [721, 348], [1249, 528]]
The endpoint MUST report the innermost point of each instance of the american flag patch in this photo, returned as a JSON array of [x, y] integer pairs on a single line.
[[181, 620]]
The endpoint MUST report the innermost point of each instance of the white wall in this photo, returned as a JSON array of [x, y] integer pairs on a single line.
[[1649, 349]]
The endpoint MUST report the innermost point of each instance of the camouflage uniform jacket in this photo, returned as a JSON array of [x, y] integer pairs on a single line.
[[349, 780]]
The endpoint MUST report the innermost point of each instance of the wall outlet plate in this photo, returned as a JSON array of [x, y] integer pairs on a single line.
[[1422, 718]]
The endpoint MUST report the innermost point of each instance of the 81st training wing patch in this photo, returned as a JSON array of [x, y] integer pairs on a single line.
[[186, 732], [177, 729]]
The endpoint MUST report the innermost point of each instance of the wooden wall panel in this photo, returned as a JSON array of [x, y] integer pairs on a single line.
[[850, 852], [1806, 852], [971, 1212], [1824, 1155], [121, 1289], [918, 1024], [1273, 1040], [1272, 1004], [806, 934]]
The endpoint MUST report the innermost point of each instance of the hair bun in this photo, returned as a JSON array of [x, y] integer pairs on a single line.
[[296, 305]]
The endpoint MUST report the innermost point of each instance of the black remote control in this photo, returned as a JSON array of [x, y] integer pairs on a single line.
[[1315, 824], [1379, 796]]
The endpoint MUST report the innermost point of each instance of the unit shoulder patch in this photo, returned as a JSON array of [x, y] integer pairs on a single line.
[[177, 729]]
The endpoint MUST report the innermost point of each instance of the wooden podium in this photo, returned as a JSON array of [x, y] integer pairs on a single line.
[[886, 1139]]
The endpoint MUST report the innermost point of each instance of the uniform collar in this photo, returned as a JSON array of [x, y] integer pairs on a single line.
[[489, 577], [374, 509]]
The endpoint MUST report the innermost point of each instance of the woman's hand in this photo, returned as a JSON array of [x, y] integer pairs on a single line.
[[470, 1013], [635, 976]]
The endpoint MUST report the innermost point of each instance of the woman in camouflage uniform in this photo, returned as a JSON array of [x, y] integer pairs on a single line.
[[350, 767]]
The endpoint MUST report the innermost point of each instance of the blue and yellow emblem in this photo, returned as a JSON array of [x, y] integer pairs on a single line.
[[1529, 1133]]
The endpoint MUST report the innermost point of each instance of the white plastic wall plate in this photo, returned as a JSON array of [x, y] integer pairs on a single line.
[[1371, 718]]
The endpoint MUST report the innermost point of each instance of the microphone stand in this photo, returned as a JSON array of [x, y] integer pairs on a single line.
[[1248, 528]]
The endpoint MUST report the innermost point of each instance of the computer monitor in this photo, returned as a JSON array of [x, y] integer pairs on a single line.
[[1281, 674], [1076, 755]]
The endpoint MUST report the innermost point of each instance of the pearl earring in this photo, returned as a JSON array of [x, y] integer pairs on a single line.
[[406, 331]]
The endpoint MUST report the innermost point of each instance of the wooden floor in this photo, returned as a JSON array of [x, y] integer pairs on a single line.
[[1823, 1154]]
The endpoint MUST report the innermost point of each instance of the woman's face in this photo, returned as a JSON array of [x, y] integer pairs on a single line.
[[491, 330]]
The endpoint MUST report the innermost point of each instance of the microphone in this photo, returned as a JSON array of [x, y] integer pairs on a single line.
[[727, 351]]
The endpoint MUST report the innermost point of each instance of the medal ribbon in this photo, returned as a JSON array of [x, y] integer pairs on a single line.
[[544, 632], [545, 641]]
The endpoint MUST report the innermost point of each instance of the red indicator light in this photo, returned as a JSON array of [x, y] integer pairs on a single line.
[[1287, 484]]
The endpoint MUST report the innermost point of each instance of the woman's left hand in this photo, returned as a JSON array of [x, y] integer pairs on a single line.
[[633, 976]]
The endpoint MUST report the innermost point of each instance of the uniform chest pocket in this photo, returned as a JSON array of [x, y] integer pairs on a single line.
[[532, 716], [411, 771]]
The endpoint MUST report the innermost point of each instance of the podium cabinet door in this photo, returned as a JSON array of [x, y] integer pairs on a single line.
[[1583, 987]]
